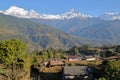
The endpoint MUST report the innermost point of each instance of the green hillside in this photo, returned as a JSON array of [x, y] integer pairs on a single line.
[[108, 31], [36, 36]]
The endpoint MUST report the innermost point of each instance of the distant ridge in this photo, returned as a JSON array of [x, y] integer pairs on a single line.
[[110, 16], [36, 36]]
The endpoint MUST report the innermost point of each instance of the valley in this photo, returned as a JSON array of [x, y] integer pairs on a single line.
[[66, 46]]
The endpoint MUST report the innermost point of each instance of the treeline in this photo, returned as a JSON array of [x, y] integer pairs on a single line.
[[103, 51]]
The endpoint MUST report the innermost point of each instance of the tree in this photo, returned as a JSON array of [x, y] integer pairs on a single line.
[[102, 78], [112, 70], [50, 53], [85, 47], [13, 56], [57, 55], [64, 56], [11, 50], [103, 55], [75, 50], [109, 52]]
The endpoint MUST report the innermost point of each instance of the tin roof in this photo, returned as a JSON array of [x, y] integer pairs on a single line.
[[75, 70]]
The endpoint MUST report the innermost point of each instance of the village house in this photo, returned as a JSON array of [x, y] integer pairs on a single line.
[[90, 58], [74, 58], [75, 73], [55, 62], [82, 57]]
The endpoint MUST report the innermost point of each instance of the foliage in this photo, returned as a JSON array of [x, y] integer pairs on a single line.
[[102, 79], [13, 55], [52, 53], [36, 36], [110, 52], [112, 70], [72, 64], [51, 69], [11, 51], [75, 50]]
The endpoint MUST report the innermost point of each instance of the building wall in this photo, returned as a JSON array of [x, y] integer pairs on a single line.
[[91, 59], [73, 59]]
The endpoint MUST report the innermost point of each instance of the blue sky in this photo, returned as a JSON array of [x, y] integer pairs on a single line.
[[90, 7]]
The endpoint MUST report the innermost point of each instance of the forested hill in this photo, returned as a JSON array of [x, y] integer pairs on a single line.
[[37, 36]]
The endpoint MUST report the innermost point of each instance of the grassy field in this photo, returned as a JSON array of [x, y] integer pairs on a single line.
[[98, 62]]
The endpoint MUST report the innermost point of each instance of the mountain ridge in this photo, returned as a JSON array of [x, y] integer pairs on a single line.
[[22, 13], [108, 31], [36, 36], [89, 28]]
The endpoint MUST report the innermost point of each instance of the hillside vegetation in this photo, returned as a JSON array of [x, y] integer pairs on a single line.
[[37, 36]]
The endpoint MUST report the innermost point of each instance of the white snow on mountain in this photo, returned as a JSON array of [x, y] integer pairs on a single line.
[[110, 16], [22, 13]]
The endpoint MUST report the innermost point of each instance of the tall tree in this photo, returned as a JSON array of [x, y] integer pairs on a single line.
[[13, 55], [75, 50]]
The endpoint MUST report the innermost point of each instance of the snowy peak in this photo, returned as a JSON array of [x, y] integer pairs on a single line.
[[110, 16], [72, 14], [22, 13], [15, 11]]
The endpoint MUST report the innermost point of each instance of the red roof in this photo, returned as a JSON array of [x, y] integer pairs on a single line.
[[56, 63]]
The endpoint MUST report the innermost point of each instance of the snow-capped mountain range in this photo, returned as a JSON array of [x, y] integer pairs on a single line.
[[103, 28], [22, 13]]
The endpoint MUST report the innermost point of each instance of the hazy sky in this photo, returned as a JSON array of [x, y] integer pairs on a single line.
[[90, 7]]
